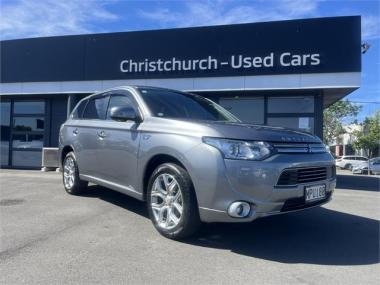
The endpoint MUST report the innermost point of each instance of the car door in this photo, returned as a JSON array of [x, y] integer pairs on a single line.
[[350, 160], [88, 144], [119, 145], [359, 160]]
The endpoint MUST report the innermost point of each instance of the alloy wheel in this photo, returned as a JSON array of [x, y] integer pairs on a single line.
[[69, 172], [166, 201]]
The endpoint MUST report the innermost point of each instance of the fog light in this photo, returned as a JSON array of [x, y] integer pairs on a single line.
[[239, 209]]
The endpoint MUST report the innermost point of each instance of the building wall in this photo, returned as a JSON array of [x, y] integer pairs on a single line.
[[58, 115]]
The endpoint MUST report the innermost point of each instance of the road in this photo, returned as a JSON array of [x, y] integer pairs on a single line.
[[50, 237]]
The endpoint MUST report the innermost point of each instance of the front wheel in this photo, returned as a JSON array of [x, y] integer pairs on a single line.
[[172, 204], [348, 166], [70, 174]]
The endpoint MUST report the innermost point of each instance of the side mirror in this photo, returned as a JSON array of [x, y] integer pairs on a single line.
[[122, 114]]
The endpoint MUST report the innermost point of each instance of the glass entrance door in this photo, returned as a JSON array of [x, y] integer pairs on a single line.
[[22, 133], [5, 109], [28, 125]]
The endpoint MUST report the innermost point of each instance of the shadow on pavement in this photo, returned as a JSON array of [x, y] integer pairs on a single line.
[[314, 236], [358, 182], [118, 199]]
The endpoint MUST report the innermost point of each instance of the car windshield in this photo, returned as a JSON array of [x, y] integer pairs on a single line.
[[178, 105]]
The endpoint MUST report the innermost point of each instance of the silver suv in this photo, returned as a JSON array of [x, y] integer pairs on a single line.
[[190, 159]]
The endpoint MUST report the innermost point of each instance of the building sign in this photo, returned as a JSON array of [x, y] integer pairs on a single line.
[[286, 47], [211, 63]]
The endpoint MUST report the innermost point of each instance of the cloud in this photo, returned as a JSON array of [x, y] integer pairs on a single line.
[[30, 18], [221, 12], [370, 27]]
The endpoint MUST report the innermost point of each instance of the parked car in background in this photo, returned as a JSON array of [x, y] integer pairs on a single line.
[[362, 168], [190, 159], [349, 161]]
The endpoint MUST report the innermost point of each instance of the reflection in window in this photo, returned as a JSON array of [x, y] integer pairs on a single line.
[[291, 104], [118, 101], [28, 124], [29, 107], [301, 123], [28, 141], [248, 110]]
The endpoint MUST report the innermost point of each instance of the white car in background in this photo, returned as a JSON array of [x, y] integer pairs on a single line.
[[374, 167], [350, 161]]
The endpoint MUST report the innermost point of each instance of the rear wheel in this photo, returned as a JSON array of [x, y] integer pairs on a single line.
[[70, 174], [172, 204]]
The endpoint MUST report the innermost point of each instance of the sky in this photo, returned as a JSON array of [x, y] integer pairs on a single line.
[[35, 18]]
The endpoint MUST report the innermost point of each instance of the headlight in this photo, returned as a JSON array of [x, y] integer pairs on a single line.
[[235, 149]]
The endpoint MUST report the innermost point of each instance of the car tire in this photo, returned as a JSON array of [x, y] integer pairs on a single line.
[[171, 202], [70, 175], [348, 166]]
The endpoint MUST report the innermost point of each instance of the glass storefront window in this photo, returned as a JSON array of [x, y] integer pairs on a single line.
[[5, 109], [302, 123], [22, 132], [27, 141], [248, 110], [28, 124], [29, 107], [291, 104]]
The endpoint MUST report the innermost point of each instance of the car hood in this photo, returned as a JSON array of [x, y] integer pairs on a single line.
[[244, 131]]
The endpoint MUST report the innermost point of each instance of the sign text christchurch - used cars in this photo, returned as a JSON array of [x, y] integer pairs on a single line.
[[211, 63]]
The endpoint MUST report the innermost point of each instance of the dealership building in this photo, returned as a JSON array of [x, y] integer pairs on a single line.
[[275, 73]]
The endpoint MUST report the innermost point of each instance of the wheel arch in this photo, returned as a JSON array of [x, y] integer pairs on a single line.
[[65, 150], [154, 162]]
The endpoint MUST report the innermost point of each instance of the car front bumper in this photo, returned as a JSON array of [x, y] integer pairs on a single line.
[[219, 182]]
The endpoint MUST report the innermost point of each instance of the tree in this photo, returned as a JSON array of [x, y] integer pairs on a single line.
[[369, 138], [333, 117]]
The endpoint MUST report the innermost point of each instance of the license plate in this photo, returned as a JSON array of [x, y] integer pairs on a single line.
[[315, 193]]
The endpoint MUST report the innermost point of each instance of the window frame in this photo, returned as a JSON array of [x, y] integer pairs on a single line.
[[316, 114], [79, 116], [94, 97]]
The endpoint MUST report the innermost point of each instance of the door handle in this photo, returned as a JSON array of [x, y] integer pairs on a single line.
[[75, 132], [102, 134]]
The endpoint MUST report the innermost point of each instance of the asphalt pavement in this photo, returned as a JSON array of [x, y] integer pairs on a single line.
[[103, 237]]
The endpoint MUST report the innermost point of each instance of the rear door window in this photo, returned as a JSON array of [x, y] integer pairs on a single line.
[[361, 158], [96, 108]]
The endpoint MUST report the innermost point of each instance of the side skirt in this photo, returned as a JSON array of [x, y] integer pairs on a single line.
[[114, 186]]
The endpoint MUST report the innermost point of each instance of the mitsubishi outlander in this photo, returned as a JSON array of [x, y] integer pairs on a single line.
[[190, 159]]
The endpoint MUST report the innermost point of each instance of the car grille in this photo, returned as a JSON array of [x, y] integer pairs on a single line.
[[299, 203], [293, 176], [299, 148]]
